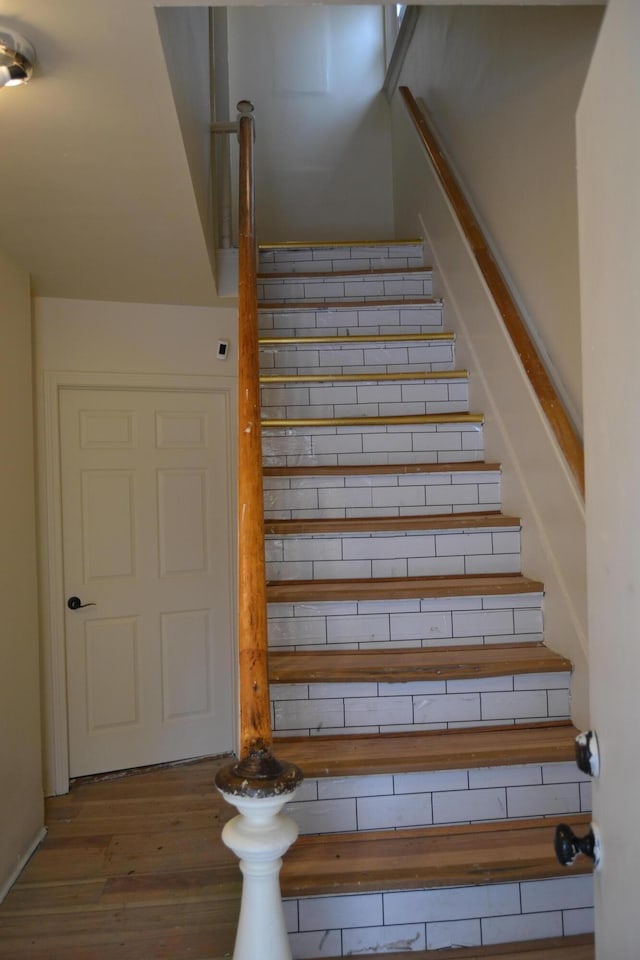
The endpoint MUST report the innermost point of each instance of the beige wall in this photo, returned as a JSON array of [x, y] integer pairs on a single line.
[[121, 344], [609, 195], [503, 85], [323, 153], [184, 33], [21, 808], [536, 482], [132, 337]]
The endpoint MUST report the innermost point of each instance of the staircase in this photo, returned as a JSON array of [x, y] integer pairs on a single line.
[[408, 673]]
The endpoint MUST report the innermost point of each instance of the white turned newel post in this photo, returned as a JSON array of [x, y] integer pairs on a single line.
[[259, 787], [260, 836]]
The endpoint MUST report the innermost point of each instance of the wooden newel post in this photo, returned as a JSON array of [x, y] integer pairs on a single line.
[[258, 785]]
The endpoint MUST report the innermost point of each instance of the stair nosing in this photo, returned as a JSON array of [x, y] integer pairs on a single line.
[[447, 337], [311, 275], [337, 761], [412, 858], [388, 588], [414, 664], [329, 244], [427, 522], [431, 375], [279, 423], [320, 470], [315, 306]]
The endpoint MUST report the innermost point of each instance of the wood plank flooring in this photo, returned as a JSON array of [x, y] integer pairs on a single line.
[[398, 588], [406, 664], [363, 754], [133, 868], [440, 521], [453, 855]]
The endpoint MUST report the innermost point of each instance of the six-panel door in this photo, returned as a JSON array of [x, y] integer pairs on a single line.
[[147, 538]]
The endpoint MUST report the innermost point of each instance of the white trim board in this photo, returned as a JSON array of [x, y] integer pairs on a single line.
[[22, 862]]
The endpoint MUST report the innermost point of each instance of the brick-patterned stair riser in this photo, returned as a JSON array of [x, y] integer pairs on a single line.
[[339, 708], [402, 554], [375, 624], [331, 321], [394, 801], [362, 357], [307, 259], [358, 287], [370, 443], [364, 399], [384, 495], [372, 923]]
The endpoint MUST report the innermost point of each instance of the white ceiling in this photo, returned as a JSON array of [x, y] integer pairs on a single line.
[[96, 193], [96, 197]]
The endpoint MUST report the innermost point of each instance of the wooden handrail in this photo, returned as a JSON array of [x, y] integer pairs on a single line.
[[255, 721], [565, 433], [258, 785]]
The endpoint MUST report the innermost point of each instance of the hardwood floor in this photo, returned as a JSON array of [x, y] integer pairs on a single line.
[[133, 868]]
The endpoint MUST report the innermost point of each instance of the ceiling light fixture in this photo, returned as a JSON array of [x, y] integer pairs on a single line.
[[17, 58]]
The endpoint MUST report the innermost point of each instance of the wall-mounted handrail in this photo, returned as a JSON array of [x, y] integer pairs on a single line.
[[255, 719], [565, 433]]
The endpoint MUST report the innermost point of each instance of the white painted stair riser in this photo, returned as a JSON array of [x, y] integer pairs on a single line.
[[338, 708], [380, 495], [334, 320], [368, 444], [364, 286], [359, 357], [306, 259], [432, 622], [436, 919], [398, 554], [393, 801], [364, 399]]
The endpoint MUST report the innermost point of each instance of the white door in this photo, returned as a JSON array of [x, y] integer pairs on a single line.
[[609, 210], [147, 542]]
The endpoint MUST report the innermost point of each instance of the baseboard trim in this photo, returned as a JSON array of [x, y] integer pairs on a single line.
[[22, 862]]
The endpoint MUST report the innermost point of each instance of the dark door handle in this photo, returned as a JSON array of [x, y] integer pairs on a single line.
[[568, 845], [75, 603]]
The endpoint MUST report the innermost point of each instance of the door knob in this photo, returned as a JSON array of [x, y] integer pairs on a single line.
[[75, 603], [588, 753], [568, 845]]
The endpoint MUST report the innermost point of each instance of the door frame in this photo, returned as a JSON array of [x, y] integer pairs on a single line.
[[52, 609]]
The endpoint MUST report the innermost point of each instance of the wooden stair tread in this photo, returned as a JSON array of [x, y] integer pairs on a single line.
[[281, 306], [378, 421], [434, 521], [414, 664], [499, 852], [374, 469], [334, 274], [410, 752], [335, 244], [580, 947], [421, 375], [397, 588], [359, 338]]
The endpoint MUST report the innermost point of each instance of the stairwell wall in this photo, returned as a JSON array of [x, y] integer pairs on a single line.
[[536, 482], [323, 149], [21, 805], [502, 86]]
